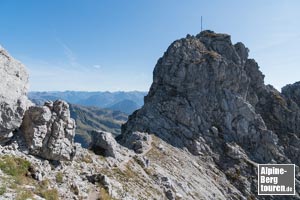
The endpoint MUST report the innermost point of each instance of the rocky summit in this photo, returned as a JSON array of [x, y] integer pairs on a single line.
[[207, 121], [208, 97]]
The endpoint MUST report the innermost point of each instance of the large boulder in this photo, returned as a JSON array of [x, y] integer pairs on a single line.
[[49, 131], [103, 143], [13, 90]]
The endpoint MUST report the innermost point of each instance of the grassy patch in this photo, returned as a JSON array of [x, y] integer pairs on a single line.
[[17, 168], [104, 195], [51, 194], [87, 158], [14, 166], [43, 191], [44, 184], [24, 195], [59, 177], [279, 99], [2, 190]]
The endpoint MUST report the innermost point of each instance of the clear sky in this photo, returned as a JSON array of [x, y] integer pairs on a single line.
[[98, 45]]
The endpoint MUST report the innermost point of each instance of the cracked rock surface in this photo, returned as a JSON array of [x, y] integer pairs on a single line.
[[13, 90], [49, 131]]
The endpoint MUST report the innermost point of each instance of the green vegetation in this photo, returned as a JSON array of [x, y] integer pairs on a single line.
[[17, 169], [51, 194], [59, 177], [279, 99], [104, 195], [43, 191], [2, 190], [44, 184], [24, 195], [14, 166], [87, 158]]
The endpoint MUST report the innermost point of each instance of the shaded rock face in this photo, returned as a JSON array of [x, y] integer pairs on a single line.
[[49, 131], [281, 113], [209, 97], [292, 92], [13, 89]]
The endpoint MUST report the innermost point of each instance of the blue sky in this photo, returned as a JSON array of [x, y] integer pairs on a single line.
[[98, 45]]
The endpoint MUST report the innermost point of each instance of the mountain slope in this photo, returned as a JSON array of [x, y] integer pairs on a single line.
[[92, 118], [127, 106]]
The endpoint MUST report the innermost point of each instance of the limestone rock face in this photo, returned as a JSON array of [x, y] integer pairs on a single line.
[[207, 96], [13, 90], [49, 131], [203, 82]]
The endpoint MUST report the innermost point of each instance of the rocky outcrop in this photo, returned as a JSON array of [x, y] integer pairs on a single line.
[[13, 89], [292, 92], [202, 83], [104, 144], [281, 113], [140, 142], [207, 96], [49, 131]]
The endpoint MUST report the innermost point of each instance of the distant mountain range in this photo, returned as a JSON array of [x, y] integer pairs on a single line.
[[105, 111], [126, 102]]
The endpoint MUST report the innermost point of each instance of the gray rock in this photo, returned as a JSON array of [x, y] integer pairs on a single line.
[[204, 82], [104, 143], [199, 83], [143, 161], [49, 131], [292, 92], [13, 90], [137, 141], [170, 195], [214, 130]]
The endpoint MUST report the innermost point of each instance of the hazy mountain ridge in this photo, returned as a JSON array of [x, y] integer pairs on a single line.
[[99, 99]]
